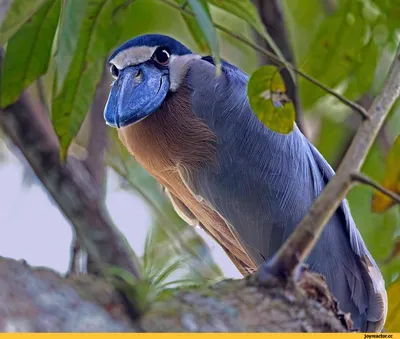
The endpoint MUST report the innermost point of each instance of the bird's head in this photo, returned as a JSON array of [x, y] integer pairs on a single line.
[[145, 69]]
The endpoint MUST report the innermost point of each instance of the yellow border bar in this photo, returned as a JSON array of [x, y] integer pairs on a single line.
[[201, 335]]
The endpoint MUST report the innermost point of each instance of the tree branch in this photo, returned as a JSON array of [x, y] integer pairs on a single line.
[[70, 186], [361, 110], [272, 17], [361, 178], [300, 243], [89, 304], [94, 161], [98, 131]]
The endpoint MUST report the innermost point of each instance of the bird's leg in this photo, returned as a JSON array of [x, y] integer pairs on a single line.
[[275, 270]]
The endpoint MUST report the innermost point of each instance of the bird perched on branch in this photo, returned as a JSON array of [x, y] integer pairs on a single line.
[[244, 184]]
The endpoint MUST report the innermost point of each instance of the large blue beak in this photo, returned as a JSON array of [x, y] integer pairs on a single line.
[[138, 92]]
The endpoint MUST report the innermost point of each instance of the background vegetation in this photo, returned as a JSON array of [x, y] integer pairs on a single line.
[[56, 50]]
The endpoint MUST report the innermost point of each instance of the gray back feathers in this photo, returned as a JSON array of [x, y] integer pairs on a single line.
[[264, 184]]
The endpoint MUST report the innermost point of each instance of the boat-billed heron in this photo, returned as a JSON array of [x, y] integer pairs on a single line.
[[246, 185]]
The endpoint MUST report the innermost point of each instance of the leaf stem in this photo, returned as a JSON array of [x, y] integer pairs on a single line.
[[363, 179]]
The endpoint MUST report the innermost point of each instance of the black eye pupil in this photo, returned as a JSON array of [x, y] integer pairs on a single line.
[[162, 56], [114, 71]]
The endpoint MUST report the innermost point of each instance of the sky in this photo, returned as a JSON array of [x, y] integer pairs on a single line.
[[33, 228]]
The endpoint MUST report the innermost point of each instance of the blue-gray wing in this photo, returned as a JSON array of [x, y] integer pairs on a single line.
[[265, 182]]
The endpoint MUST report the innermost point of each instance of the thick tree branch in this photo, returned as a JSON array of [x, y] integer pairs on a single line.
[[272, 17], [70, 186], [300, 243], [45, 302], [361, 110], [361, 178]]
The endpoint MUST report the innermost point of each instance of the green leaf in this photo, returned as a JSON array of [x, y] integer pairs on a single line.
[[168, 270], [71, 23], [138, 292], [345, 50], [245, 10], [28, 52], [194, 27], [72, 103], [362, 75], [302, 19], [266, 92], [208, 29], [18, 13]]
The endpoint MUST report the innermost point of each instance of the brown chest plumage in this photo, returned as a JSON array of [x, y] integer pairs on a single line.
[[172, 139]]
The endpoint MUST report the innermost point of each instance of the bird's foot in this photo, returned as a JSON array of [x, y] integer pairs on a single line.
[[273, 272]]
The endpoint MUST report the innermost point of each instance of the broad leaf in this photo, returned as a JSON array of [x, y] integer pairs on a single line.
[[339, 46], [17, 14], [266, 91], [392, 324], [96, 39], [391, 179], [245, 10], [361, 77], [28, 52], [72, 15], [335, 51], [302, 19], [194, 27], [207, 27]]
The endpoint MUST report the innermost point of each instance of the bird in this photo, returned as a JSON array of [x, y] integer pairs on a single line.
[[247, 186]]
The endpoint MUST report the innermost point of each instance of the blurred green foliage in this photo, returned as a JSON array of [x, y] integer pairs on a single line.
[[346, 44]]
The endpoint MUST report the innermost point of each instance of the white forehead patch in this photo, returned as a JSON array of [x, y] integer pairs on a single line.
[[133, 56], [178, 67]]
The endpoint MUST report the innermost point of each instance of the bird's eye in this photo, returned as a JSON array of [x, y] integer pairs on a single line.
[[161, 56], [114, 71]]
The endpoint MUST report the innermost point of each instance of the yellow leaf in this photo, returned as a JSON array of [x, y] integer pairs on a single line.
[[391, 181], [266, 91], [393, 318]]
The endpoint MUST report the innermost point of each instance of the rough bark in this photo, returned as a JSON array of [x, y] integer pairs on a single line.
[[40, 300]]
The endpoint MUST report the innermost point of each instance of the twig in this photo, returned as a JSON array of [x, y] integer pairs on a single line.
[[351, 123], [300, 243], [272, 17], [361, 178], [278, 61]]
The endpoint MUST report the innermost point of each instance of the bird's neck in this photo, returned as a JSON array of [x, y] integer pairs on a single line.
[[171, 136]]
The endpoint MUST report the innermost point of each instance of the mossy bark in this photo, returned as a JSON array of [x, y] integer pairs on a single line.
[[40, 300]]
